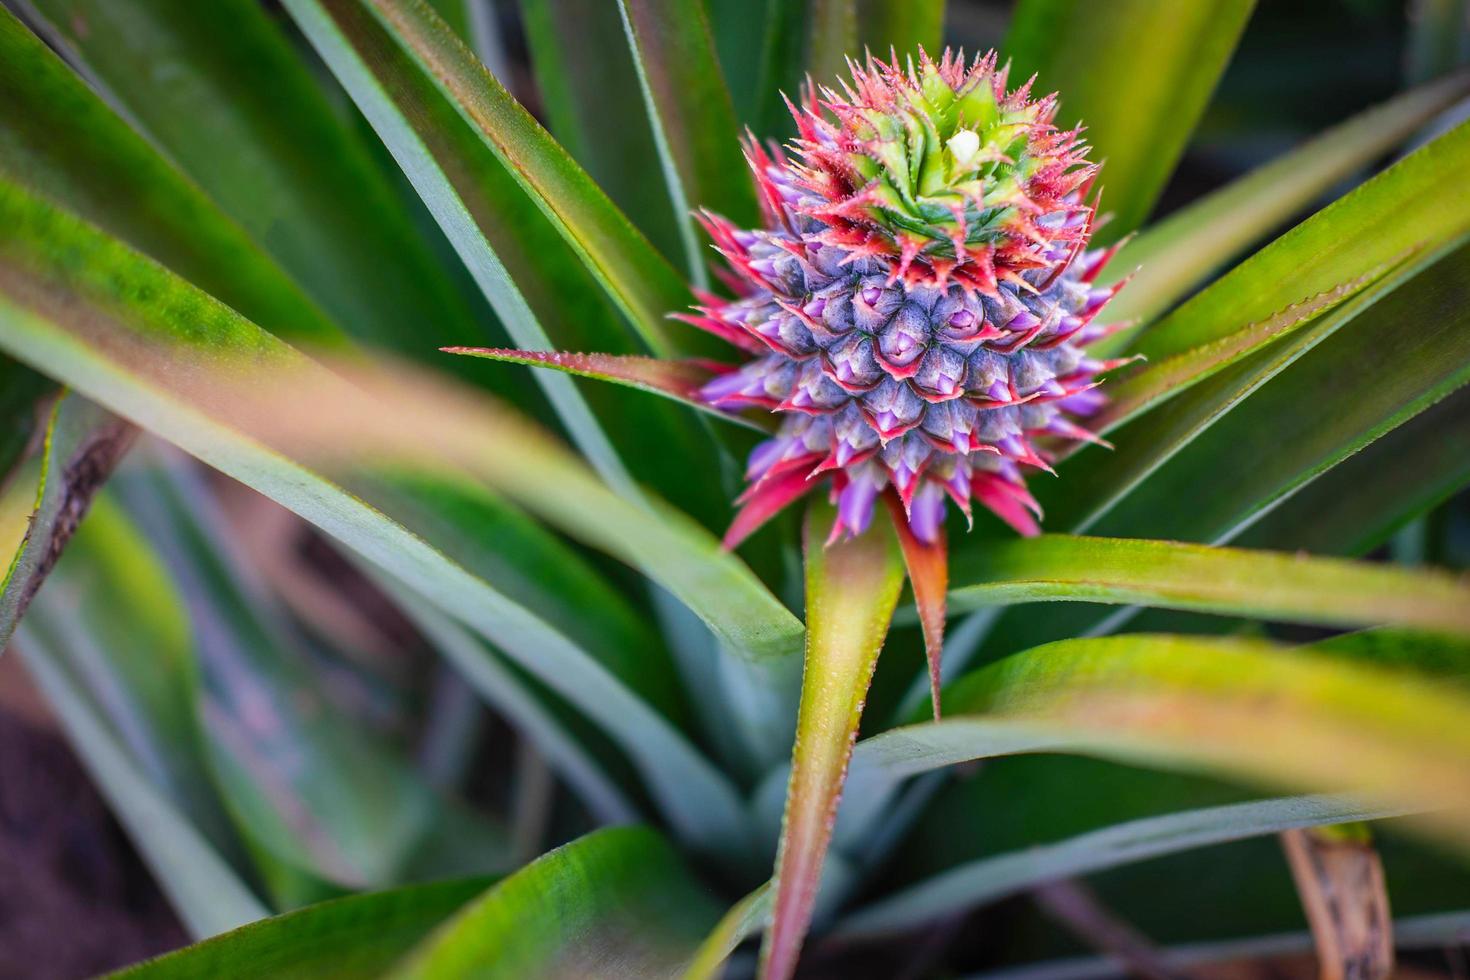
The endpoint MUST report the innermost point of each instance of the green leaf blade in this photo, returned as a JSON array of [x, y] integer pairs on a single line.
[[83, 445], [615, 903], [329, 216], [1322, 395], [524, 266], [693, 117], [1137, 73], [354, 938], [1251, 709], [987, 879], [62, 140], [1227, 581], [592, 100], [852, 590], [1375, 224], [643, 285], [1172, 256]]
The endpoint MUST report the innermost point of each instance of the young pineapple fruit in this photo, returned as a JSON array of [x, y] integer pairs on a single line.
[[919, 300]]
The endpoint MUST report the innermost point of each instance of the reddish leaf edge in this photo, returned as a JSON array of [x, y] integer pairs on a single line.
[[680, 380], [830, 715], [928, 572]]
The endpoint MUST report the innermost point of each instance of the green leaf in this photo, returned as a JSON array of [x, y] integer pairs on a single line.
[[976, 882], [1380, 368], [1227, 581], [60, 139], [200, 885], [1176, 254], [614, 903], [642, 284], [109, 646], [1376, 224], [901, 25], [1358, 504], [272, 151], [1137, 73], [1131, 392], [693, 118], [679, 380], [1247, 708], [851, 590], [318, 791], [127, 333], [592, 103], [739, 29], [1434, 654], [781, 66], [746, 918], [527, 271], [349, 938], [112, 620], [832, 38], [1435, 930], [83, 444]]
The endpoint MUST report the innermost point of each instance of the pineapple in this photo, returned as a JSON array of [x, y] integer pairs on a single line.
[[918, 305]]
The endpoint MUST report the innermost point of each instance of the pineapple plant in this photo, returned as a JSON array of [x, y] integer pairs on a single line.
[[396, 663]]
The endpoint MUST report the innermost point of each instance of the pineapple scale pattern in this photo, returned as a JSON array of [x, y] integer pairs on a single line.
[[918, 305]]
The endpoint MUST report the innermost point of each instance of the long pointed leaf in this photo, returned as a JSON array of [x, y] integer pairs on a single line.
[[1248, 708], [1432, 931], [1375, 372], [352, 938], [317, 791], [1354, 507], [615, 903], [112, 622], [203, 889], [591, 100], [1228, 581], [1133, 392], [852, 588], [781, 65], [745, 918], [976, 882], [491, 538], [1398, 210], [60, 139], [693, 117], [510, 697], [1173, 256], [644, 286], [23, 414], [1138, 73], [326, 213], [679, 380], [83, 444]]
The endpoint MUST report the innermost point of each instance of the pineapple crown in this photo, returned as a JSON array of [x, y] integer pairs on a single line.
[[939, 170]]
